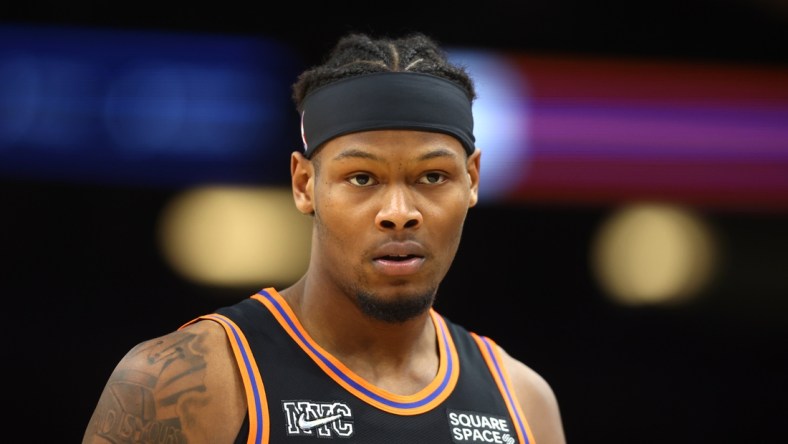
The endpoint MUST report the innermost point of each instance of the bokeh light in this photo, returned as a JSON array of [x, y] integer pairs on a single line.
[[650, 253], [236, 236]]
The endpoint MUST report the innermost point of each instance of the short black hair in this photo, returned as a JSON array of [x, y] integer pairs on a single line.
[[358, 54]]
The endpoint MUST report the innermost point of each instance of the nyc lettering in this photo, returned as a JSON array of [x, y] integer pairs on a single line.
[[473, 427], [324, 419]]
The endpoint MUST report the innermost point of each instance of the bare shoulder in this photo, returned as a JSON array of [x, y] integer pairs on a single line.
[[537, 400], [181, 387]]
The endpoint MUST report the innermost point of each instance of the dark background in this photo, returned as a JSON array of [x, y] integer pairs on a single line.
[[712, 371]]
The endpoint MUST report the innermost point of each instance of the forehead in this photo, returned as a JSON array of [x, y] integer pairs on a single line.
[[393, 146]]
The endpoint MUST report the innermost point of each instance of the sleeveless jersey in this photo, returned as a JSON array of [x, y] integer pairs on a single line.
[[297, 392]]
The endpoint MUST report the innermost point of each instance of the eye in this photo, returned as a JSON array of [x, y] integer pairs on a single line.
[[432, 178], [362, 180]]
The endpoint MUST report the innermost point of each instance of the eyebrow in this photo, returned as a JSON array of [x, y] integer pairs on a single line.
[[439, 152], [361, 154], [356, 153]]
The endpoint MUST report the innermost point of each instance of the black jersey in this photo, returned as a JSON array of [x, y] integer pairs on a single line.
[[297, 392]]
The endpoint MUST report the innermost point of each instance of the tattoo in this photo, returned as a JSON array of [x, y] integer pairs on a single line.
[[150, 404]]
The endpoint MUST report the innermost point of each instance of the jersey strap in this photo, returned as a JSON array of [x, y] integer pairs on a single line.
[[491, 355]]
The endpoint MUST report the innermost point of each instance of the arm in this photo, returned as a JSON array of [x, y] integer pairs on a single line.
[[182, 387], [537, 401]]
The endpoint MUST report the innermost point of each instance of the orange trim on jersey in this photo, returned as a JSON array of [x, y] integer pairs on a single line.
[[257, 404], [425, 400], [491, 355]]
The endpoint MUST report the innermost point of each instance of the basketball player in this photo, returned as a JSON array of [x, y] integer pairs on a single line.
[[354, 350]]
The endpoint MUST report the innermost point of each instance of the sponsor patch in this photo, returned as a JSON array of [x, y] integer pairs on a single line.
[[475, 427]]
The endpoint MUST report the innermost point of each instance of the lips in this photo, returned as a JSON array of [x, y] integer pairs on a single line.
[[403, 257], [399, 251], [399, 258]]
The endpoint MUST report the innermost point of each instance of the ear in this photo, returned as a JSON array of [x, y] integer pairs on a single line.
[[474, 162], [302, 174]]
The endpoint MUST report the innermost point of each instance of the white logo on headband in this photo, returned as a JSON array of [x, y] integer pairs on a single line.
[[303, 136]]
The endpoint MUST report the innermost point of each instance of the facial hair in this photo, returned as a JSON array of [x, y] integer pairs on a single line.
[[394, 312], [397, 311]]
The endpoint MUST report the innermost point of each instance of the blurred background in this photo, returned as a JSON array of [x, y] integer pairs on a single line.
[[631, 242]]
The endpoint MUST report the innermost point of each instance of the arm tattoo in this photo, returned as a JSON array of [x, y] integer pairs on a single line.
[[151, 403]]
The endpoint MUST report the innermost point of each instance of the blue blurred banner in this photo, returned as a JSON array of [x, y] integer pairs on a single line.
[[144, 108]]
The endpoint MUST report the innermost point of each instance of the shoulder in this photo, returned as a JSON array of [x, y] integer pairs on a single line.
[[184, 383], [537, 400]]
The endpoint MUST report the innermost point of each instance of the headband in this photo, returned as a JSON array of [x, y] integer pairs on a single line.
[[386, 100]]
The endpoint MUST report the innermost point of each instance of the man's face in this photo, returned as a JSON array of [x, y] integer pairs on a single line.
[[389, 211]]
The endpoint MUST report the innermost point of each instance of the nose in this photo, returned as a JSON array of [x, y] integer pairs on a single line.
[[398, 210]]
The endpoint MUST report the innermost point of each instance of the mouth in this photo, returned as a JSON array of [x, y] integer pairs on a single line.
[[398, 257], [400, 251]]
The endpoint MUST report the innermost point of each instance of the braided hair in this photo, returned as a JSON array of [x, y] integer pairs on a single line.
[[359, 54]]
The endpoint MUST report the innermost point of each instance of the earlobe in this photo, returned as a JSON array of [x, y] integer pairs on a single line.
[[302, 181], [473, 166]]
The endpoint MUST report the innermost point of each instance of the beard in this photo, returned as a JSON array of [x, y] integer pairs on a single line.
[[397, 311]]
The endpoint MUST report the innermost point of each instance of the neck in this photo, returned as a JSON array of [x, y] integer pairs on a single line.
[[399, 357]]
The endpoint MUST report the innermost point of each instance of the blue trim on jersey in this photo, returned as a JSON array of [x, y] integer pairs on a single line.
[[512, 402], [250, 372]]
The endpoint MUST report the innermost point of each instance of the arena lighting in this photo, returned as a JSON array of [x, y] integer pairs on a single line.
[[144, 108], [500, 114], [653, 253], [235, 236], [611, 130]]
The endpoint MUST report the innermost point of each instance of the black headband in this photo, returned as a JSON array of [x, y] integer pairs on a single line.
[[387, 100]]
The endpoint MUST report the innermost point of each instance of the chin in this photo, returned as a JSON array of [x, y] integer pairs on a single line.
[[397, 310]]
